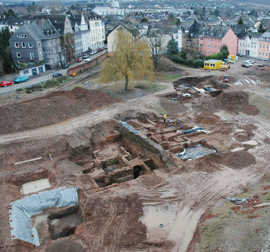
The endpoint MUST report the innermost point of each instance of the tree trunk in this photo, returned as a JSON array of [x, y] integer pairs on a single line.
[[126, 83]]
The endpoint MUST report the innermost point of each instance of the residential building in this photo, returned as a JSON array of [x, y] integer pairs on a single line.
[[79, 33], [248, 45], [35, 42], [112, 36], [212, 39], [97, 33], [264, 46]]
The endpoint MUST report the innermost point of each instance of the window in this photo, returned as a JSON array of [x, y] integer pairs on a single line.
[[22, 35], [23, 45], [31, 55], [30, 45], [19, 55], [17, 45]]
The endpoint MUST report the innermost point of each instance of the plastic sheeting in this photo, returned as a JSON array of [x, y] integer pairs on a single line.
[[195, 152], [129, 127], [193, 130], [22, 210]]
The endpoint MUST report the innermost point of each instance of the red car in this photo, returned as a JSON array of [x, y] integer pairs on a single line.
[[6, 83]]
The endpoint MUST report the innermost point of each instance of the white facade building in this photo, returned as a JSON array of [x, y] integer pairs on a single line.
[[96, 33], [85, 35], [107, 11], [248, 46], [88, 35], [180, 40]]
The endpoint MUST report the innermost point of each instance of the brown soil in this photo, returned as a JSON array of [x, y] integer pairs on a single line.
[[151, 180], [52, 108], [236, 160], [207, 215], [266, 140], [231, 101], [266, 187], [207, 118], [112, 223], [65, 245]]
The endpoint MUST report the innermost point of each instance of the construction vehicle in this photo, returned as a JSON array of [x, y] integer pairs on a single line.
[[215, 65]]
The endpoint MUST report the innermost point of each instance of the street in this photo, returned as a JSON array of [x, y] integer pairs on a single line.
[[37, 80]]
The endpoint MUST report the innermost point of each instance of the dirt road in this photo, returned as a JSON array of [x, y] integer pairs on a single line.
[[88, 119]]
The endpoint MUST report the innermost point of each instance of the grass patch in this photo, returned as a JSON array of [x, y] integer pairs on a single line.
[[167, 76], [150, 87], [47, 84]]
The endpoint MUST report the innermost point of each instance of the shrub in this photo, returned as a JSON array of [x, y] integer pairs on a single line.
[[196, 63]]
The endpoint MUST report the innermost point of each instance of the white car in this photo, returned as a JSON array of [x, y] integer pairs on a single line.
[[87, 60], [250, 62]]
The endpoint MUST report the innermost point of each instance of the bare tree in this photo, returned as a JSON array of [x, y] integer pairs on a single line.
[[131, 60], [155, 44]]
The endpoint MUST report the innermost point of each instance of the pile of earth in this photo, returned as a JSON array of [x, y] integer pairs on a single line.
[[232, 101], [52, 108]]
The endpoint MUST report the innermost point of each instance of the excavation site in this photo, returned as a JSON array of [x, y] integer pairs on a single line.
[[171, 171]]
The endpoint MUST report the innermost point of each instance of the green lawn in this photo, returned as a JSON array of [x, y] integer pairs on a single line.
[[167, 76]]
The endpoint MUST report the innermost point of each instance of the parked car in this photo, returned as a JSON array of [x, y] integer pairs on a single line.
[[247, 65], [87, 60], [6, 83], [85, 56], [79, 59], [250, 61], [56, 75], [226, 79], [66, 66], [21, 78]]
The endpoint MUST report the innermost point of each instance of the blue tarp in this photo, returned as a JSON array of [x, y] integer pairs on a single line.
[[129, 127], [22, 210], [193, 130], [195, 152]]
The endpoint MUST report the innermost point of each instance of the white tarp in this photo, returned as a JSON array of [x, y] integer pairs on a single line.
[[22, 210]]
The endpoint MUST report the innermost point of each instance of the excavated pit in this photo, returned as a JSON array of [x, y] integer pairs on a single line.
[[56, 223], [63, 223]]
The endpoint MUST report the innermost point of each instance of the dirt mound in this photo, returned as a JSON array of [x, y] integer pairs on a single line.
[[231, 101], [236, 160], [236, 102], [207, 118], [166, 65], [66, 245], [52, 108]]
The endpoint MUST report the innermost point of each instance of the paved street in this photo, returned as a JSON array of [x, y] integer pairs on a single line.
[[37, 80], [30, 83]]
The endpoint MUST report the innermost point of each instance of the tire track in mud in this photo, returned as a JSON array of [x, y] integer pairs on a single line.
[[118, 230], [196, 192], [98, 242]]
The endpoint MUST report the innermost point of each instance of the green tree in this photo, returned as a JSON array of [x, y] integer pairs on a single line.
[[240, 21], [131, 60], [144, 20], [224, 51], [5, 54], [178, 22], [10, 13], [261, 28], [172, 47]]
